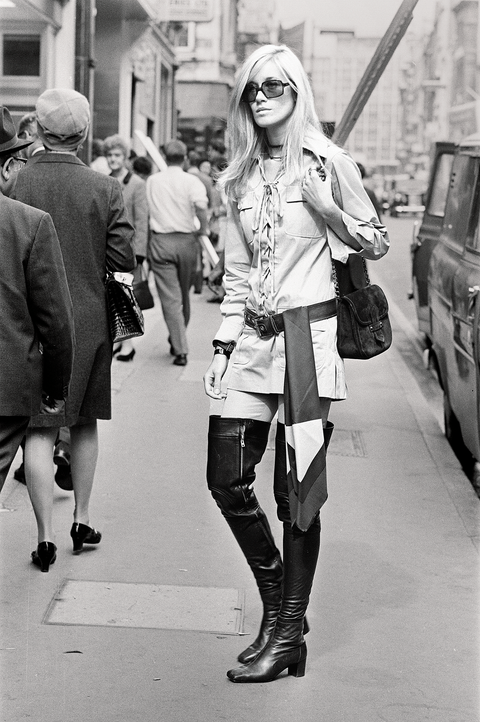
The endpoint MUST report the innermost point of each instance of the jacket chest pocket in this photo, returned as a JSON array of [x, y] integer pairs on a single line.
[[299, 220], [246, 214]]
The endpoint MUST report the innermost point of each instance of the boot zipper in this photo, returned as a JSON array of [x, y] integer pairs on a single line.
[[242, 446]]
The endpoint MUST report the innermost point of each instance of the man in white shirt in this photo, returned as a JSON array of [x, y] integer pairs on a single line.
[[176, 200]]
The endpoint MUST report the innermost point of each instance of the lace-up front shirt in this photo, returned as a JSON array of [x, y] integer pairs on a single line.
[[278, 256]]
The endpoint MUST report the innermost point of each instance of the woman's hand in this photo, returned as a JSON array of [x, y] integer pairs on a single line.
[[213, 377], [318, 192]]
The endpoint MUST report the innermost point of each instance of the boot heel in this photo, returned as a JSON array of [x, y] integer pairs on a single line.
[[298, 669]]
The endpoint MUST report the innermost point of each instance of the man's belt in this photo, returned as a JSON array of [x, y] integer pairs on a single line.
[[273, 324]]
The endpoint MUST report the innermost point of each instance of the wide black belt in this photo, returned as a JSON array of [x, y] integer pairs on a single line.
[[273, 324]]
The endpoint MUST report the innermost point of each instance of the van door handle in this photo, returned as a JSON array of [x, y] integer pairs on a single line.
[[473, 292]]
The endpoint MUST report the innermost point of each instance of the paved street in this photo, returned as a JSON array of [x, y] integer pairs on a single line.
[[144, 627]]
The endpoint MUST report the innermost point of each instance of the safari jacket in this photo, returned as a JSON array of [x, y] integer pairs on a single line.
[[299, 267]]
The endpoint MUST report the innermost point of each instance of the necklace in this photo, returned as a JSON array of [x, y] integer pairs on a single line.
[[270, 148], [274, 157]]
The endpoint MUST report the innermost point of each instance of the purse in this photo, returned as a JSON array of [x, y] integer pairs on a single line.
[[141, 288], [363, 325], [124, 314]]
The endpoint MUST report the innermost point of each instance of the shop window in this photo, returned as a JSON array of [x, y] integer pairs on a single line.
[[184, 35], [21, 55]]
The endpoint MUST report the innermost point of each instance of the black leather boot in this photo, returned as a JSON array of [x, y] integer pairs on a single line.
[[235, 447], [286, 648]]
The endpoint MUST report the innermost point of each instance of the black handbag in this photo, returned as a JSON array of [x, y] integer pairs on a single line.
[[363, 325], [124, 314], [141, 288]]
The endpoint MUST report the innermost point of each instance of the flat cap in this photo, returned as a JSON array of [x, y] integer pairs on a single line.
[[63, 112]]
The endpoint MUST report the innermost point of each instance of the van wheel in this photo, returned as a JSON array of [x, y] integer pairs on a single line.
[[452, 427]]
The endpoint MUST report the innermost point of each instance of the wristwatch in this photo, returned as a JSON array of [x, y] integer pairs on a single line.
[[223, 348]]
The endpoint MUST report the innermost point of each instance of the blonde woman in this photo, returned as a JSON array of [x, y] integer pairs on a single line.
[[283, 230]]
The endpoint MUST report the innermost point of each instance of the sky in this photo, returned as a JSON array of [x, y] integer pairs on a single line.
[[368, 18]]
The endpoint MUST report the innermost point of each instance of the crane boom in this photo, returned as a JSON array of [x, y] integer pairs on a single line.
[[386, 47]]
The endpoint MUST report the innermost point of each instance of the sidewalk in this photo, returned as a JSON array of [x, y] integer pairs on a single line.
[[143, 628]]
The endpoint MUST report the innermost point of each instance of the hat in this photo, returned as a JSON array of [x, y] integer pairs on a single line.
[[63, 116], [175, 148], [8, 135]]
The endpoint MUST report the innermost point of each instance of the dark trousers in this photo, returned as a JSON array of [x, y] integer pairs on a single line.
[[173, 260], [12, 431]]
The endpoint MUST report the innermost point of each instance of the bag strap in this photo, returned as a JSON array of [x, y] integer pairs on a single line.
[[332, 151], [335, 279]]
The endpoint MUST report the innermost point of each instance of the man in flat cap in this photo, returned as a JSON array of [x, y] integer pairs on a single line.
[[89, 215], [175, 200], [32, 265]]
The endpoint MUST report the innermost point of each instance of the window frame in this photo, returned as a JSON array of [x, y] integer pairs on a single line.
[[37, 36]]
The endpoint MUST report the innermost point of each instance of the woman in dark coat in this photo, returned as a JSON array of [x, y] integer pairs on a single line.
[[88, 211]]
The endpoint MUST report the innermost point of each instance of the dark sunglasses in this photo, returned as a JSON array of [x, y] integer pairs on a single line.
[[270, 88]]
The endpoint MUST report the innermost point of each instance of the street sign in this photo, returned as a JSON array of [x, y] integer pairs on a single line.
[[183, 11]]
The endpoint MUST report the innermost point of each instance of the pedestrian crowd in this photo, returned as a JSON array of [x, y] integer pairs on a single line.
[[287, 206], [67, 225]]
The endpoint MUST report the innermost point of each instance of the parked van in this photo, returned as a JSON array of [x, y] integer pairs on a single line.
[[427, 232], [446, 282]]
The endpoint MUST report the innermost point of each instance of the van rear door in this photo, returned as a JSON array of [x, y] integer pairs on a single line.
[[425, 240]]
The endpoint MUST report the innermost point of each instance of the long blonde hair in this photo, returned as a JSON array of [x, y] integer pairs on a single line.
[[246, 140]]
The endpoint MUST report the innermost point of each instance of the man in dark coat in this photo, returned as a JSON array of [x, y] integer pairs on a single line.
[[31, 267], [94, 232]]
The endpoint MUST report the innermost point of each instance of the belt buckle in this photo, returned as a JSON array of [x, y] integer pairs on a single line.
[[261, 326]]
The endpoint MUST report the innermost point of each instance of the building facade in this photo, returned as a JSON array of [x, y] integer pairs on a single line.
[[257, 25], [134, 73], [116, 52], [440, 83], [335, 62], [206, 53], [37, 41]]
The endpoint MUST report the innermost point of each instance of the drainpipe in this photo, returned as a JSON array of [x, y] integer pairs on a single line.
[[84, 60]]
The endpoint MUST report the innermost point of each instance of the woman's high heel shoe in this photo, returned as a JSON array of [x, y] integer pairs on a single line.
[[45, 554], [82, 534], [126, 356]]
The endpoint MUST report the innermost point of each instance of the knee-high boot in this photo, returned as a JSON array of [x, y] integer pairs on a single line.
[[286, 647], [235, 447]]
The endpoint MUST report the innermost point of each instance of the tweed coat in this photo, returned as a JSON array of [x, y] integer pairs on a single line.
[[89, 214], [36, 307]]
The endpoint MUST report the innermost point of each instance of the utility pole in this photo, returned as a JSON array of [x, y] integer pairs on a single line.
[[387, 46]]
